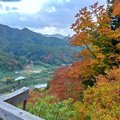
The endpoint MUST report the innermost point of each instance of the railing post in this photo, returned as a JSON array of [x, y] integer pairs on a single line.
[[10, 112], [24, 104]]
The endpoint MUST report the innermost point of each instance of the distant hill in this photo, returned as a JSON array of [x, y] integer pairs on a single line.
[[33, 46], [57, 36]]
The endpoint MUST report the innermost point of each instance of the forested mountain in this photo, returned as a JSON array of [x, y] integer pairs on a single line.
[[33, 46]]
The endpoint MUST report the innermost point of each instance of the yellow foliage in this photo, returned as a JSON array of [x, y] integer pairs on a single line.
[[100, 103], [114, 74]]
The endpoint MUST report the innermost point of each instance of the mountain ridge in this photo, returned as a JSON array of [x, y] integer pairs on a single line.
[[34, 46], [57, 36]]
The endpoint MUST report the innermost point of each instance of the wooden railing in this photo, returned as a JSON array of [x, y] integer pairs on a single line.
[[8, 111]]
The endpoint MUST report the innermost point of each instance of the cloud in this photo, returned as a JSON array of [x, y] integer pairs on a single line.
[[51, 9], [0, 6], [45, 16], [10, 0], [25, 6], [63, 1], [14, 8], [6, 9], [23, 18], [52, 30]]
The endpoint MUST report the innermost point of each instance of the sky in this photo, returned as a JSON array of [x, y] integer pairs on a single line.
[[42, 16]]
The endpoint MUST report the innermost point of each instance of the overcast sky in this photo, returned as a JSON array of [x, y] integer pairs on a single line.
[[43, 16]]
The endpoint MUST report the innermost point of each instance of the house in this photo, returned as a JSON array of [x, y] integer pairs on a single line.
[[19, 79]]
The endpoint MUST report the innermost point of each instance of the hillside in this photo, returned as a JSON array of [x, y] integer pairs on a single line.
[[10, 63], [33, 46]]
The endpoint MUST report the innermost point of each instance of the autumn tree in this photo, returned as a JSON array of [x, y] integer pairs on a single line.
[[101, 102], [93, 31], [66, 84], [93, 82], [114, 13]]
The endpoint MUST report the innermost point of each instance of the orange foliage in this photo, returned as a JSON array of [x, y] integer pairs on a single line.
[[100, 54], [93, 32], [116, 8], [114, 74], [67, 81], [64, 85]]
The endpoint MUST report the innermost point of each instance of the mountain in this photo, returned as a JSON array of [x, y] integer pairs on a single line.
[[33, 46], [57, 36]]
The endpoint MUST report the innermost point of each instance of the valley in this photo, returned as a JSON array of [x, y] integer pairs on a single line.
[[31, 57], [25, 45], [60, 60], [34, 75]]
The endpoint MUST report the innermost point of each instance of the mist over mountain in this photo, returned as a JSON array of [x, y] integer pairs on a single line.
[[57, 36]]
